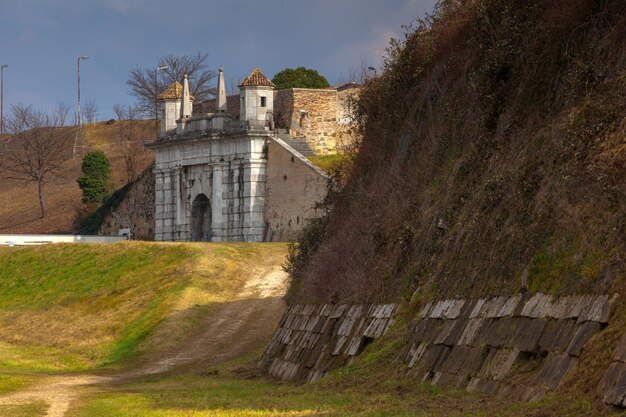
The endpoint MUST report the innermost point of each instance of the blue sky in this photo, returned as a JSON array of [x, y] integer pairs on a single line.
[[40, 40]]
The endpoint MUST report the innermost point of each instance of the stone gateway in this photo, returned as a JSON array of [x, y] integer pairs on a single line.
[[220, 179]]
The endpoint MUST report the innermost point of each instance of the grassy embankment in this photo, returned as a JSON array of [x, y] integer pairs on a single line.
[[368, 387], [83, 307], [79, 307]]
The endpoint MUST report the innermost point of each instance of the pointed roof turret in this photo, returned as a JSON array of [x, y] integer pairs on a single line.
[[173, 92], [257, 79], [185, 107], [221, 92]]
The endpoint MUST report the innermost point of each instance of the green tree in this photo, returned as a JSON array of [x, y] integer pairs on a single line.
[[96, 179], [299, 78]]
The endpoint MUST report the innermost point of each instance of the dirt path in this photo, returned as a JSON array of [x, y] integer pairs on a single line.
[[233, 329]]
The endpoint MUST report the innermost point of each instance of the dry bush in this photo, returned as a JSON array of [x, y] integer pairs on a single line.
[[491, 149]]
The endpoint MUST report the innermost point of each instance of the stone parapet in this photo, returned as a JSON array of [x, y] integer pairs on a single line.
[[312, 340]]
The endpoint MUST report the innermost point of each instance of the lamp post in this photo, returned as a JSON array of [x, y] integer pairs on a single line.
[[156, 98], [78, 115], [2, 67]]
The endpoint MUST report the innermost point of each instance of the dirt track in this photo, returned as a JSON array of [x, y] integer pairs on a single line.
[[233, 329]]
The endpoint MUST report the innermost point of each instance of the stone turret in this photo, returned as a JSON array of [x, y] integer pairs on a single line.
[[257, 101], [185, 107], [169, 112], [221, 93]]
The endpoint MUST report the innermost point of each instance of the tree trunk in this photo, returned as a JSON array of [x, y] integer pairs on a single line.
[[42, 198]]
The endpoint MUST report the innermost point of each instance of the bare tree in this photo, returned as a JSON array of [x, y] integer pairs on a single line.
[[38, 146], [131, 135], [355, 74], [147, 83], [90, 110]]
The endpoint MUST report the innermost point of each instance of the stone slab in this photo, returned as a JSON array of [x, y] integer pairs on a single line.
[[553, 369], [464, 360], [557, 335], [620, 352], [499, 363], [451, 332], [509, 308], [612, 387], [470, 331], [584, 332], [537, 306], [598, 310], [527, 334]]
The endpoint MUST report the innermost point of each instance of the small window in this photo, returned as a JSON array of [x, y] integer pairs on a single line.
[[263, 101]]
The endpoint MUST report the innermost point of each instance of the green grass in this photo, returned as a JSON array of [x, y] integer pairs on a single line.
[[75, 307], [370, 386], [326, 162], [34, 409], [12, 382]]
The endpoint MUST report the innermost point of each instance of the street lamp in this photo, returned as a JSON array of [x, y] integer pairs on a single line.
[[78, 116], [2, 67], [156, 97]]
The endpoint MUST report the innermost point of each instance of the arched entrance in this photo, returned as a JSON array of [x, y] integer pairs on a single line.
[[201, 219]]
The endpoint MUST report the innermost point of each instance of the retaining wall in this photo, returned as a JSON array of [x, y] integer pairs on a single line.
[[504, 345], [520, 347], [311, 339]]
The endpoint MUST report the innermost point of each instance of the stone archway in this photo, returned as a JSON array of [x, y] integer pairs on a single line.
[[201, 219]]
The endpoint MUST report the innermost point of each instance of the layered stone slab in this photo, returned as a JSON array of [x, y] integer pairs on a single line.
[[478, 344], [311, 340], [612, 387]]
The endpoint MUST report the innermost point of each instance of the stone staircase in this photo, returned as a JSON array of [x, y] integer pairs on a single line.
[[298, 143]]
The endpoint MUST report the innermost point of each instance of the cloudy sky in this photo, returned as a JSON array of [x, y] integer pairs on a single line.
[[40, 40]]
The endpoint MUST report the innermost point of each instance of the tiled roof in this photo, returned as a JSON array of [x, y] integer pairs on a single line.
[[173, 92], [256, 79]]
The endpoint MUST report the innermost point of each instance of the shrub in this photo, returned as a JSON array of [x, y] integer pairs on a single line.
[[299, 78], [96, 179]]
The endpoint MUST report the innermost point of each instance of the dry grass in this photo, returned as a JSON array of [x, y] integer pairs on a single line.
[[492, 149], [19, 207]]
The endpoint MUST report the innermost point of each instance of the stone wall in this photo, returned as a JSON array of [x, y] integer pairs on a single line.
[[612, 388], [520, 347], [311, 339], [326, 125], [226, 169], [318, 125], [504, 345], [294, 186], [134, 210]]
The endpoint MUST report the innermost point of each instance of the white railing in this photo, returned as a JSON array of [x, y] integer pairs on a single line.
[[24, 240]]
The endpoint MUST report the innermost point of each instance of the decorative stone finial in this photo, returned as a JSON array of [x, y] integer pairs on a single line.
[[221, 92], [185, 106]]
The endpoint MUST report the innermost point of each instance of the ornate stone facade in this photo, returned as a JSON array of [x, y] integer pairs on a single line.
[[211, 172]]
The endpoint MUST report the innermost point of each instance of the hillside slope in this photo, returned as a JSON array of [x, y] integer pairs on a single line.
[[492, 161], [19, 210]]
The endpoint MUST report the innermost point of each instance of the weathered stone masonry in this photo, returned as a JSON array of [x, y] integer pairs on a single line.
[[612, 388], [517, 346], [225, 179], [314, 339], [503, 345]]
